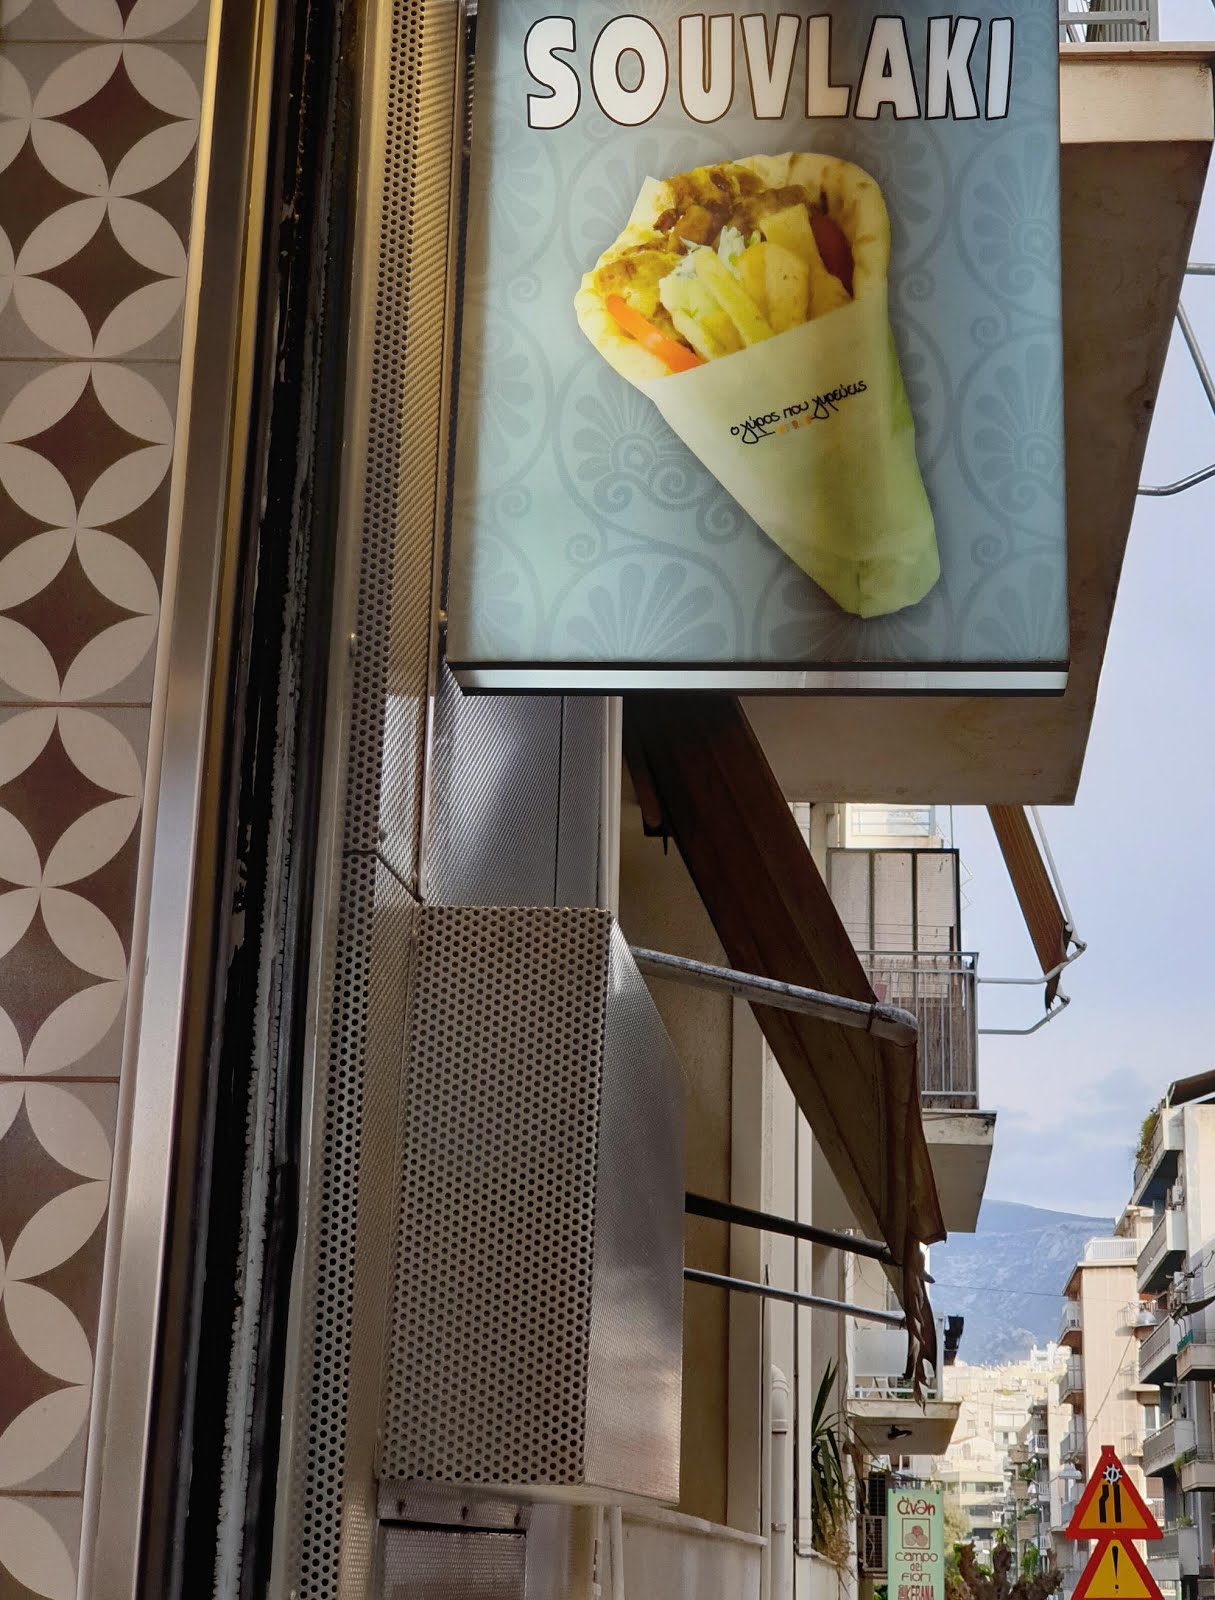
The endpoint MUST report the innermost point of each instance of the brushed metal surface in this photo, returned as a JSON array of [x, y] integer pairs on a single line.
[[514, 799], [635, 1373], [536, 1328], [175, 872]]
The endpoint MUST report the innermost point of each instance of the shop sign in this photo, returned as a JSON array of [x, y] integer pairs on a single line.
[[915, 1534], [760, 371]]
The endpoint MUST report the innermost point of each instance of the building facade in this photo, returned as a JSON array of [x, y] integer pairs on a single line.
[[1175, 1177]]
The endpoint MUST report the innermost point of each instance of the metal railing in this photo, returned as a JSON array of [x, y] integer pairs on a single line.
[[1071, 1380], [1108, 21], [1165, 1240], [1111, 1250], [1071, 1322], [938, 988], [1074, 1440], [1156, 1346], [1162, 1448]]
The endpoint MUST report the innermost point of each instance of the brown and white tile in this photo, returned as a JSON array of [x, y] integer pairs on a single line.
[[71, 787], [39, 1547]]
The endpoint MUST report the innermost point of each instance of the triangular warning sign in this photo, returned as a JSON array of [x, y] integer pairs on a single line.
[[1111, 1504], [1116, 1571]]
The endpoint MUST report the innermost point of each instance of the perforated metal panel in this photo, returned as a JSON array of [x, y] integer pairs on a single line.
[[535, 1337], [348, 1237], [401, 365], [392, 502], [434, 1564], [491, 1326]]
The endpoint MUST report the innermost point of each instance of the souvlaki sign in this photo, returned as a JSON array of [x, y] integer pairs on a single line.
[[760, 372], [632, 69]]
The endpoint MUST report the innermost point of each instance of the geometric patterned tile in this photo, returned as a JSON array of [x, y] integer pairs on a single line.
[[39, 1547], [84, 447], [104, 19], [71, 791], [97, 156], [56, 1144]]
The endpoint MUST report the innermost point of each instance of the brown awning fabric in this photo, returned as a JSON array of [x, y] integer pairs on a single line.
[[1044, 917], [701, 776]]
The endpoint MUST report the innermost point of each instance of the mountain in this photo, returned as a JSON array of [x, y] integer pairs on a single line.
[[1007, 1278]]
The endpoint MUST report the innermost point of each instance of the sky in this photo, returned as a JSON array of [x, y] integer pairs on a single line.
[[1134, 852]]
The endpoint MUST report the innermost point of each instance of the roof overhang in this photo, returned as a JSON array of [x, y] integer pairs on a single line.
[[1137, 127]]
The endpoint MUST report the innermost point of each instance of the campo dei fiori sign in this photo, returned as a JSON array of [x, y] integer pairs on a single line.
[[760, 369], [915, 1537]]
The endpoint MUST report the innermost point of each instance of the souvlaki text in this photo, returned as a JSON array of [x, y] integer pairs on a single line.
[[958, 67]]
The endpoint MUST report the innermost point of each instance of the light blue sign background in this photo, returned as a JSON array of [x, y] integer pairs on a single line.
[[585, 531]]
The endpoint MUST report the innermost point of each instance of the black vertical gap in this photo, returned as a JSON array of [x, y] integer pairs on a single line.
[[255, 1017]]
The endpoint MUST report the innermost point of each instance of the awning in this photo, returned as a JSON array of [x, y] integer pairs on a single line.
[[1049, 926], [702, 778]]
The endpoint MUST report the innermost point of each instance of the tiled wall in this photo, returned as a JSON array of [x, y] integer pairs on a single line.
[[99, 107]]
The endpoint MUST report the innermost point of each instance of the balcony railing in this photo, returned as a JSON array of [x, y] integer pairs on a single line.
[[1162, 1449], [1157, 1353], [1108, 21], [939, 989], [1070, 1326], [1073, 1441], [1164, 1252], [1071, 1382], [1111, 1250], [1178, 1547]]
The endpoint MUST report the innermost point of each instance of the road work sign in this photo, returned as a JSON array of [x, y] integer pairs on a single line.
[[1111, 1504]]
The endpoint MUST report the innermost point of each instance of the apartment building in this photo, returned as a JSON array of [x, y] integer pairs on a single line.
[[1034, 1463], [981, 1466], [1175, 1178], [1103, 1322]]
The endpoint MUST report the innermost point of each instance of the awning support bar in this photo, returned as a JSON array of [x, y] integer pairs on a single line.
[[885, 1022], [892, 1319], [699, 1205]]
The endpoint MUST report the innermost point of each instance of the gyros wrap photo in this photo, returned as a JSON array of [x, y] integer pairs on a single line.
[[758, 325], [748, 301]]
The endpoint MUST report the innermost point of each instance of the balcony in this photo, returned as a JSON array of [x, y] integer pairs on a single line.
[[1158, 1353], [1162, 1448], [1175, 1556], [1074, 1445], [878, 1399], [938, 988], [1196, 1347], [1108, 21], [1071, 1384], [1157, 1167], [1197, 1468], [1163, 1254], [1136, 122], [1070, 1331]]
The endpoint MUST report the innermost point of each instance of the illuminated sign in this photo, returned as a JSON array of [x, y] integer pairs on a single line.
[[760, 375]]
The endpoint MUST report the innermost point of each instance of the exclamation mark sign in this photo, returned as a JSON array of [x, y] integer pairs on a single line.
[[1114, 1553]]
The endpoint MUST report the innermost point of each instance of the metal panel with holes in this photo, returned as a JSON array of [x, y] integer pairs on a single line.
[[450, 1564], [535, 1333], [398, 377], [392, 505]]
